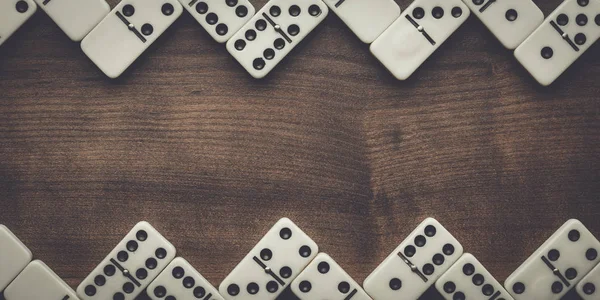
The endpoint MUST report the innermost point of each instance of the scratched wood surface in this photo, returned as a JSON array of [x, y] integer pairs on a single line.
[[188, 141]]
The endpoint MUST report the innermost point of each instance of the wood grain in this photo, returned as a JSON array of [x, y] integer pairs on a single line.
[[188, 141]]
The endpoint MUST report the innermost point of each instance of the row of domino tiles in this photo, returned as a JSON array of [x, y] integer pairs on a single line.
[[287, 257], [402, 41]]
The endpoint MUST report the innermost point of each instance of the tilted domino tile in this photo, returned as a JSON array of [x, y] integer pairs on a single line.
[[323, 278], [38, 282], [128, 30], [14, 256], [420, 30], [589, 287], [415, 265], [75, 17], [273, 32], [511, 21], [557, 265], [13, 14], [179, 280], [130, 267], [561, 39], [366, 18], [283, 252], [220, 18], [469, 279]]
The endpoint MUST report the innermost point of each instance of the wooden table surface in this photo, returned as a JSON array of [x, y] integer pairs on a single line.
[[188, 141]]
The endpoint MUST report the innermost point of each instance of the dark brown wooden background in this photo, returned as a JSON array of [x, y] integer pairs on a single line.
[[188, 141]]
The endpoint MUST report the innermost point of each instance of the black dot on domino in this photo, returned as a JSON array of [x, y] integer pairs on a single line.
[[260, 25], [147, 29], [562, 19], [456, 12], [511, 15], [518, 288], [449, 287], [118, 296], [420, 241], [430, 231], [239, 45], [583, 2], [22, 6], [285, 233], [581, 19], [202, 8], [589, 288], [437, 12], [591, 254], [258, 63], [272, 286], [160, 291], [556, 287], [250, 35], [275, 11], [109, 270], [323, 267], [167, 9], [222, 29], [189, 282], [395, 284], [178, 272], [252, 288], [580, 39], [410, 250], [241, 11], [212, 18], [122, 256], [547, 52], [477, 2], [428, 269], [90, 290], [315, 11], [199, 292], [418, 13], [459, 296], [233, 289], [293, 30], [344, 287], [448, 249], [305, 251], [574, 235], [597, 19], [128, 11], [170, 298], [266, 254], [231, 3], [478, 279], [438, 259], [132, 246], [128, 287], [279, 44], [160, 253], [571, 273], [151, 263], [285, 272], [295, 10], [100, 280], [487, 290], [305, 286], [141, 235], [141, 273], [468, 269], [553, 255]]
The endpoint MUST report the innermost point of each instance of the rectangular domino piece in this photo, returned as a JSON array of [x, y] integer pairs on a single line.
[[556, 266], [323, 278], [128, 30], [415, 265], [273, 32], [182, 281], [366, 18], [283, 252], [561, 39], [38, 281], [75, 17], [511, 21], [130, 267], [588, 287], [220, 18], [469, 279], [420, 30], [13, 14], [14, 256]]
